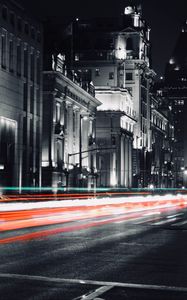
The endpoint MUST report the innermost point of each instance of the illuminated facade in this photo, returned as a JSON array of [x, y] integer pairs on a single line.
[[21, 94], [114, 54], [69, 148], [114, 128], [97, 60]]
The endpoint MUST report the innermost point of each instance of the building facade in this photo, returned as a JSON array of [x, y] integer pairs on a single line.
[[162, 136], [114, 54], [69, 148], [174, 88], [20, 97]]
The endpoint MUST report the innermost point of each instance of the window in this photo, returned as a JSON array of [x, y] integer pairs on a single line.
[[31, 133], [38, 68], [11, 55], [32, 33], [4, 12], [3, 49], [19, 58], [19, 24], [25, 60], [129, 76], [31, 99], [129, 44], [25, 96], [111, 75], [12, 18], [26, 28], [32, 64], [38, 37], [38, 102], [97, 72], [76, 57]]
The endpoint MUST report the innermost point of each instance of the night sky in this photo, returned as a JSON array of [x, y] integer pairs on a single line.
[[164, 17]]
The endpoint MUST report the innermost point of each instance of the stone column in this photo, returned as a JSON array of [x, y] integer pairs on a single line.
[[122, 166], [126, 162], [130, 163]]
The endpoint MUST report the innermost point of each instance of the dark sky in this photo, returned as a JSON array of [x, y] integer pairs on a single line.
[[165, 17]]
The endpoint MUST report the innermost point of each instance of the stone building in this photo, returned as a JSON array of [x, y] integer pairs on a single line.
[[20, 97], [69, 106], [117, 56]]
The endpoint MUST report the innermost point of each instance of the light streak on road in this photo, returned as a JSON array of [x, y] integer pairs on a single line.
[[92, 212]]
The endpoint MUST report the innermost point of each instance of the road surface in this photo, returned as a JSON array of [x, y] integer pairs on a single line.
[[132, 254]]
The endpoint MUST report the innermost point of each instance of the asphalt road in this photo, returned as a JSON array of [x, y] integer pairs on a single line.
[[137, 259]]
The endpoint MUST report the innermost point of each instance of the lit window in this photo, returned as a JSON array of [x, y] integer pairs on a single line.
[[76, 57]]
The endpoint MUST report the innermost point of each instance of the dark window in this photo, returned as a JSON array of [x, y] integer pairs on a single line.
[[111, 75], [38, 37], [26, 61], [31, 99], [19, 24], [24, 130], [26, 28], [128, 76], [3, 51], [31, 132], [4, 12], [11, 56], [25, 96], [19, 58], [129, 44], [32, 64], [38, 103], [12, 19], [113, 140], [38, 69], [32, 33]]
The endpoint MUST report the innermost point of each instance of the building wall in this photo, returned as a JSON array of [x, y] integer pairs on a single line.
[[20, 96], [68, 155]]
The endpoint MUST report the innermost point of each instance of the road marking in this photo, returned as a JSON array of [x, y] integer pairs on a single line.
[[94, 282], [96, 293]]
